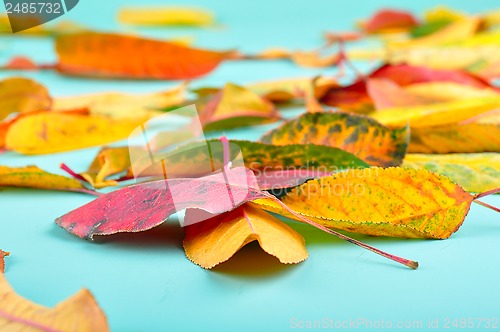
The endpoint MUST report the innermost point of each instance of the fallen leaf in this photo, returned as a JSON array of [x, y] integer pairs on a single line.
[[51, 132], [34, 177], [443, 13], [362, 136], [121, 56], [215, 240], [389, 20], [475, 172], [121, 105], [2, 263], [236, 106], [437, 114], [392, 201], [165, 16], [80, 312], [22, 95]]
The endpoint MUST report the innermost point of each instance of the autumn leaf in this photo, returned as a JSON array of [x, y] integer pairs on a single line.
[[236, 106], [55, 132], [165, 16], [475, 172], [22, 95], [359, 135], [121, 105], [382, 202], [476, 134], [2, 263], [121, 56], [215, 240], [34, 177], [389, 20], [80, 312], [437, 114]]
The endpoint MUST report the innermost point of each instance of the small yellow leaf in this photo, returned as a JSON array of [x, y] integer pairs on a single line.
[[34, 177], [392, 201], [165, 16], [437, 114], [121, 105], [55, 132], [22, 95], [78, 313], [443, 13], [211, 242], [476, 172]]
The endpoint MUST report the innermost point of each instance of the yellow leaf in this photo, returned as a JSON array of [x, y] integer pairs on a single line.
[[455, 32], [34, 177], [78, 313], [211, 242], [437, 114], [476, 172], [121, 105], [381, 201], [448, 91], [22, 95], [55, 132], [165, 16], [443, 13]]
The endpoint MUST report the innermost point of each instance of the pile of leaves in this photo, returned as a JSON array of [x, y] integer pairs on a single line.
[[402, 151]]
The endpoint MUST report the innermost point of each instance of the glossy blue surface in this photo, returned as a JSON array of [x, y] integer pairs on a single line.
[[145, 283]]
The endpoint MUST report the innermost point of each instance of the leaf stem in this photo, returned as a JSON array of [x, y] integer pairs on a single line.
[[487, 205], [487, 193], [411, 264]]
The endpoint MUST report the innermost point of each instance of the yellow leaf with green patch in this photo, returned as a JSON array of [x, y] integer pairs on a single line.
[[213, 241], [476, 172], [34, 177], [377, 201]]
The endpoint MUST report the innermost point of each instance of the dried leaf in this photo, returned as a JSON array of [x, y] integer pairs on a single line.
[[121, 105], [113, 56], [236, 106], [382, 202], [165, 16], [389, 20], [80, 312], [359, 135], [34, 177], [22, 95], [476, 172], [2, 263], [55, 132], [214, 241]]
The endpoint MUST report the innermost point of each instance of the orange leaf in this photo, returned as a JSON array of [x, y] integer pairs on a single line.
[[2, 263], [214, 241], [113, 55], [80, 312], [389, 20]]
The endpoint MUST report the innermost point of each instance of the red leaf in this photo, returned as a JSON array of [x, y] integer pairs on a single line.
[[389, 19]]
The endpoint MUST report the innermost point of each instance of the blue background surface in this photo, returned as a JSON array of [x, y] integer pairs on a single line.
[[145, 283]]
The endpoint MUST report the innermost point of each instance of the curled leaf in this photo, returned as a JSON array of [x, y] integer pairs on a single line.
[[80, 311], [215, 240], [2, 263]]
